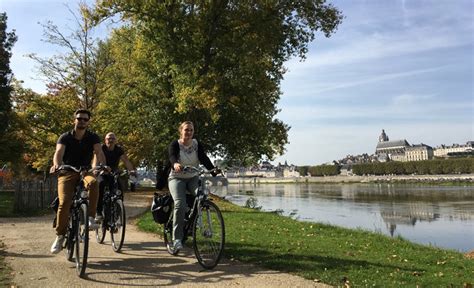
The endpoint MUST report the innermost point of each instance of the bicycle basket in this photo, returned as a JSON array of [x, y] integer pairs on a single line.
[[161, 207]]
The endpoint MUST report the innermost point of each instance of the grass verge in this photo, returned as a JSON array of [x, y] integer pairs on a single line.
[[334, 255], [6, 203]]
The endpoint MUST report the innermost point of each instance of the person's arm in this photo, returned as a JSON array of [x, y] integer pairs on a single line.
[[99, 154], [128, 164], [203, 157], [94, 161], [58, 157], [173, 151]]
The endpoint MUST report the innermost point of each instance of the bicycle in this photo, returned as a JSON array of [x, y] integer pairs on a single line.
[[113, 215], [76, 242], [204, 223]]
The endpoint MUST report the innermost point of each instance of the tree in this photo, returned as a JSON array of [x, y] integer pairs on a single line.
[[217, 63], [74, 81], [9, 148], [41, 119], [81, 68]]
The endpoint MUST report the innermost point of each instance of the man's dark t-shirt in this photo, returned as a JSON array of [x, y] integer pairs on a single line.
[[112, 157], [78, 153]]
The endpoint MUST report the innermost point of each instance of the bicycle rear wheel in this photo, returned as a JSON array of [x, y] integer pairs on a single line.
[[208, 235], [168, 235], [81, 240], [117, 229]]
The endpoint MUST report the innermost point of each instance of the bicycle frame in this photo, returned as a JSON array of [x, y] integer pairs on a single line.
[[194, 212], [113, 211], [79, 207], [111, 197], [204, 223]]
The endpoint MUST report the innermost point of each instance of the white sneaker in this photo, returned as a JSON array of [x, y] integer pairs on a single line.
[[92, 224], [57, 244], [177, 245]]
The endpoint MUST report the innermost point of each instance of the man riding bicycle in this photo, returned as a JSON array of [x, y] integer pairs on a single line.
[[75, 148], [113, 154]]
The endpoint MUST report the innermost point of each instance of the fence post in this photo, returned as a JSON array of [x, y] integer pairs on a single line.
[[17, 196], [42, 194]]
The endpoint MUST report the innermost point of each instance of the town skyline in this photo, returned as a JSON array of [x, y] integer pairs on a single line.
[[373, 152]]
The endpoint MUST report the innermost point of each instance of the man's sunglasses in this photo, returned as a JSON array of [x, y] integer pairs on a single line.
[[82, 119]]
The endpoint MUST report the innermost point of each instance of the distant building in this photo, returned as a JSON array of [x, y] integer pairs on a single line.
[[385, 148], [399, 157], [444, 151], [418, 152]]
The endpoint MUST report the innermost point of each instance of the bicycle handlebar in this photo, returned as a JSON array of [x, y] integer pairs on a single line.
[[80, 169], [214, 172]]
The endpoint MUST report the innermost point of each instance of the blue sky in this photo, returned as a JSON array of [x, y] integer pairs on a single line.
[[403, 66]]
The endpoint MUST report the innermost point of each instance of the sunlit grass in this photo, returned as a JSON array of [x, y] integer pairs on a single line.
[[334, 255]]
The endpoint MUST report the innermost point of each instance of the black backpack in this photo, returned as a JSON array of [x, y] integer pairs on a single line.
[[161, 207]]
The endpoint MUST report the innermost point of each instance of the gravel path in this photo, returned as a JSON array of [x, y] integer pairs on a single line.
[[143, 261]]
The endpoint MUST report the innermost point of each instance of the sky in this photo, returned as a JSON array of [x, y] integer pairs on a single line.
[[406, 66]]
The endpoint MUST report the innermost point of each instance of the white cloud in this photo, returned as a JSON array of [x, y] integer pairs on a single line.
[[372, 79]]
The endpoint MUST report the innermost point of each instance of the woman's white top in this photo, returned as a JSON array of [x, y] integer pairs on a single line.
[[188, 156]]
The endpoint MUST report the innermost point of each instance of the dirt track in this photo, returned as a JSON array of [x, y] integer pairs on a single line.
[[142, 262]]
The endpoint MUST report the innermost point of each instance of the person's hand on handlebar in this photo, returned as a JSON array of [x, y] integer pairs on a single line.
[[53, 169], [177, 167], [216, 171], [101, 169]]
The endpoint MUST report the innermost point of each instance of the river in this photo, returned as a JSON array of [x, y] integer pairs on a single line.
[[441, 216]]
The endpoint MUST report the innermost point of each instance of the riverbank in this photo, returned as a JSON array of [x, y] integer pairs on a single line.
[[334, 255], [448, 178]]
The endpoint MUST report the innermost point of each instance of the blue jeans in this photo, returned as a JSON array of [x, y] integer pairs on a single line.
[[178, 188]]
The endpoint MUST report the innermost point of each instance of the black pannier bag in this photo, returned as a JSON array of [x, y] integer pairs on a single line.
[[54, 205], [161, 207]]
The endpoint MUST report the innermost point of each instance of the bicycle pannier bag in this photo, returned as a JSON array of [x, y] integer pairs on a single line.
[[161, 207]]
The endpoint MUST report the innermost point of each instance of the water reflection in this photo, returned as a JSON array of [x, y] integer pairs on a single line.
[[437, 215]]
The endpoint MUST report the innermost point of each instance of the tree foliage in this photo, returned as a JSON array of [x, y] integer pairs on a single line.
[[324, 170], [74, 80], [426, 167], [80, 69], [41, 119], [9, 145], [217, 63]]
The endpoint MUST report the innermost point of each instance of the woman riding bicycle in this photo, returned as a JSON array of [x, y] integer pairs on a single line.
[[183, 152]]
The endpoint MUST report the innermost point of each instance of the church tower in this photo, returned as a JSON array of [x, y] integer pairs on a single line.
[[383, 137]]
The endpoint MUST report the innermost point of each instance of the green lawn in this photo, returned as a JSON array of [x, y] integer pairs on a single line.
[[6, 203], [334, 255]]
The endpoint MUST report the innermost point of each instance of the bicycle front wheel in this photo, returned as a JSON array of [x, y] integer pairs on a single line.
[[117, 229], [208, 235], [102, 230], [81, 240], [70, 239]]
